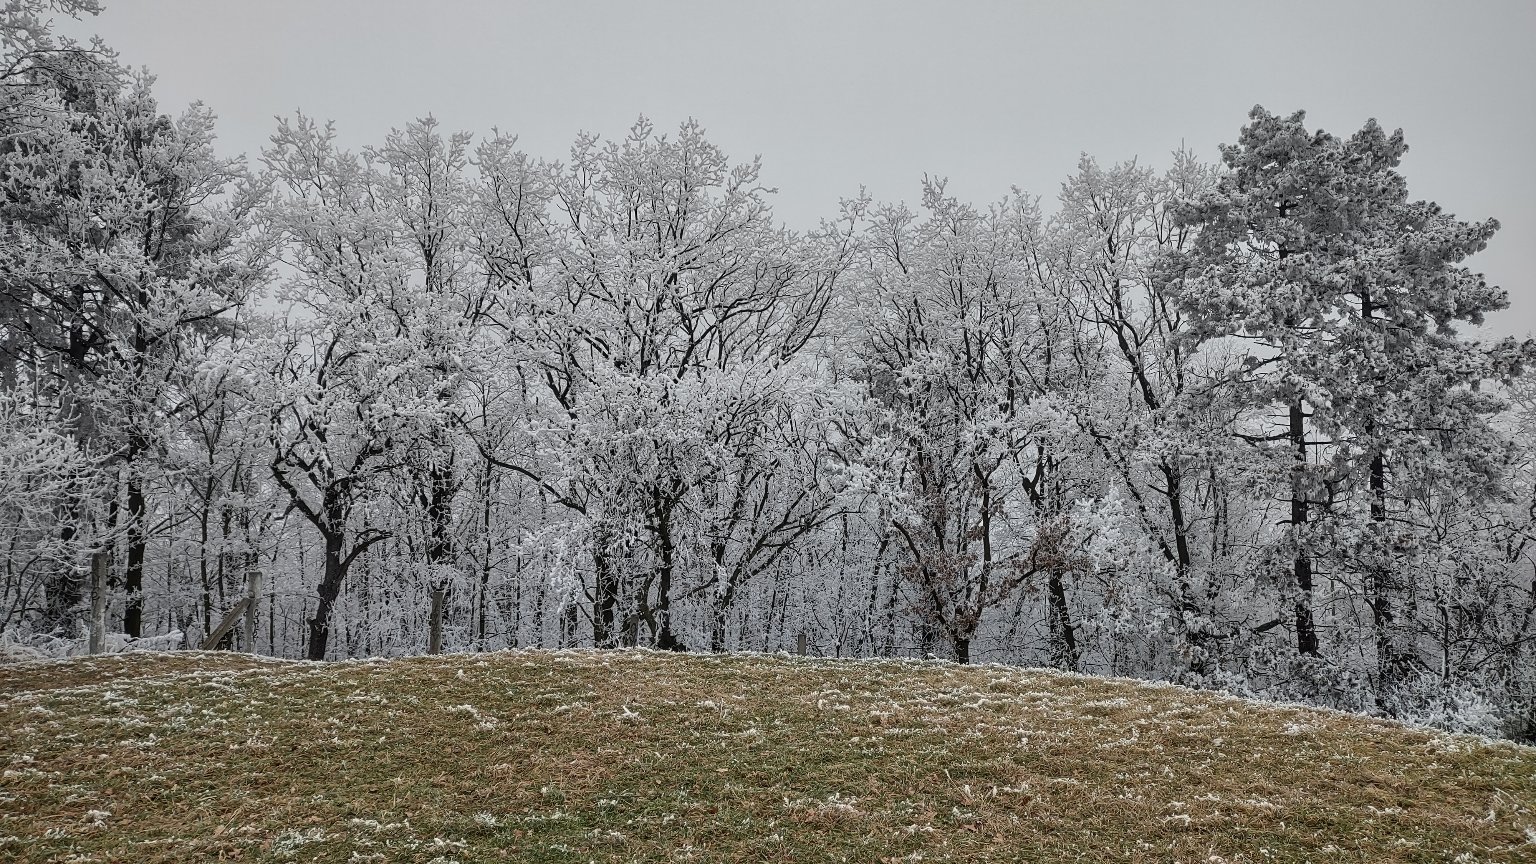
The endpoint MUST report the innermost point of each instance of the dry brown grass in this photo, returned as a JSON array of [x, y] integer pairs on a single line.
[[638, 756]]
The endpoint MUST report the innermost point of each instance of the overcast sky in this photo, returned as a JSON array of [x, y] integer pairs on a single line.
[[834, 95]]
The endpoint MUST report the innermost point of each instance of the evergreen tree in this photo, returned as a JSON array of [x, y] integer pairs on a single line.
[[1346, 293]]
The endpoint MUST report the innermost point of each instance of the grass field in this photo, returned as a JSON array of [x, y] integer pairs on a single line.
[[640, 756]]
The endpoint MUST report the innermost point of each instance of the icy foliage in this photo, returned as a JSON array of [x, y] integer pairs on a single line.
[[1210, 424]]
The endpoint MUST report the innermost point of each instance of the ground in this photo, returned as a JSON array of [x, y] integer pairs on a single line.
[[542, 756]]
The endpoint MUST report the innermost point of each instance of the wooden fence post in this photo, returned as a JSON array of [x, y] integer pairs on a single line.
[[212, 640], [253, 593]]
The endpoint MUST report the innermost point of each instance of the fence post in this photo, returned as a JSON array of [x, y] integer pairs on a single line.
[[253, 592]]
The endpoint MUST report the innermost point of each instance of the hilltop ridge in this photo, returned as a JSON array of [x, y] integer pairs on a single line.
[[616, 756]]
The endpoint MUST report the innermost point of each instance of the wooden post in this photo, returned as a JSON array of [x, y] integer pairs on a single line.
[[800, 645], [435, 641], [98, 603], [253, 593], [212, 640]]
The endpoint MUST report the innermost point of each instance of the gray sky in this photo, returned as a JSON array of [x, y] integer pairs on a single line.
[[838, 94]]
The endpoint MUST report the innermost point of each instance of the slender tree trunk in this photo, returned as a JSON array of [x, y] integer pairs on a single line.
[[485, 564], [204, 578], [1306, 635], [514, 610], [435, 640], [723, 601], [665, 639], [605, 601], [773, 602], [138, 540], [568, 623], [872, 610], [65, 587], [63, 591], [540, 597], [1388, 662], [8, 349], [138, 534], [440, 555]]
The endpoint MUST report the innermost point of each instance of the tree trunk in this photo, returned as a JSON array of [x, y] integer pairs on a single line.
[[1063, 638], [605, 601], [330, 589], [440, 544], [64, 589], [1195, 637], [482, 607], [203, 573], [568, 622], [138, 540], [724, 603], [1389, 661], [98, 603], [665, 639], [435, 640], [718, 626], [1306, 636]]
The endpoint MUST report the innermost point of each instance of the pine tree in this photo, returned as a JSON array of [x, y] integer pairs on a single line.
[[1346, 294]]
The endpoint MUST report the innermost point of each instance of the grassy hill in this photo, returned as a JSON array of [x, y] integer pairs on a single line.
[[640, 756]]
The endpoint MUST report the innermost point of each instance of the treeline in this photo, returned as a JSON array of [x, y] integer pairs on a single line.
[[1213, 424]]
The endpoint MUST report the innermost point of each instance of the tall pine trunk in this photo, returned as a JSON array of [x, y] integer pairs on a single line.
[[1388, 661], [1306, 634]]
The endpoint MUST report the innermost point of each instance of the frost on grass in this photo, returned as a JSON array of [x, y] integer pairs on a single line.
[[289, 842], [484, 722], [635, 755]]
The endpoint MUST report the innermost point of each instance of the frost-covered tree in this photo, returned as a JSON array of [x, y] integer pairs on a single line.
[[124, 241], [424, 191], [1214, 424], [343, 400], [1348, 294], [666, 287], [1147, 417], [955, 350], [41, 473]]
